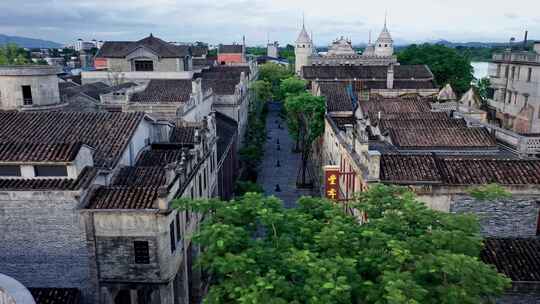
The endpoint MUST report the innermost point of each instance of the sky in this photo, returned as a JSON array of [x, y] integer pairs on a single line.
[[226, 21]]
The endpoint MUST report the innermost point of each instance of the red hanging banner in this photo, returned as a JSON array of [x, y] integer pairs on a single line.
[[331, 182]]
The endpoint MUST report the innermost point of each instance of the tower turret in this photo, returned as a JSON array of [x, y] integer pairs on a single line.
[[303, 49], [384, 46]]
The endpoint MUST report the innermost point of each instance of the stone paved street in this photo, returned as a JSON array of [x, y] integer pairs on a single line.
[[285, 174]]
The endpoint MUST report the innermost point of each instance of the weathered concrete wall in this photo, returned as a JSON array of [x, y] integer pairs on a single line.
[[44, 90], [42, 240], [503, 218]]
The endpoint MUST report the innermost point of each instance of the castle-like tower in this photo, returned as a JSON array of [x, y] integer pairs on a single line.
[[303, 50], [384, 46]]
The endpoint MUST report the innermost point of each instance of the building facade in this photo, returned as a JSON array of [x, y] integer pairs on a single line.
[[515, 80]]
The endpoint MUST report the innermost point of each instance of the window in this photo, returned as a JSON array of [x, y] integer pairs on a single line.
[[187, 218], [10, 171], [518, 72], [498, 70], [192, 193], [142, 252], [513, 72], [178, 234], [50, 170], [529, 75], [144, 66], [27, 95], [386, 45], [526, 98], [173, 240]]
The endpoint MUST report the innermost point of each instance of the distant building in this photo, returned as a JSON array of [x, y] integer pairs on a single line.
[[230, 54], [341, 52], [81, 45], [272, 50], [150, 54], [515, 80]]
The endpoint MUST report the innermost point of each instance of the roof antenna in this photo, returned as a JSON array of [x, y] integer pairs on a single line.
[[385, 17], [303, 20], [369, 37]]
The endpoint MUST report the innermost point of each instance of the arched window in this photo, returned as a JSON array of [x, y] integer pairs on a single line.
[[386, 45]]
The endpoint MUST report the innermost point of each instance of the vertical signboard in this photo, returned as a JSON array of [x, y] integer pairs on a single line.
[[331, 182]]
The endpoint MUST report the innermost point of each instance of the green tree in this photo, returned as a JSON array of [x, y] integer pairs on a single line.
[[274, 74], [292, 86], [447, 65], [483, 85], [259, 252], [11, 54]]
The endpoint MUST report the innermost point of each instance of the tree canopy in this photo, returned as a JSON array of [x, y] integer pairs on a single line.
[[309, 109], [274, 74], [11, 54], [259, 252], [447, 64]]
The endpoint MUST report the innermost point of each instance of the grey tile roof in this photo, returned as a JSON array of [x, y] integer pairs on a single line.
[[84, 180], [164, 90], [231, 49], [344, 72], [108, 133], [38, 152]]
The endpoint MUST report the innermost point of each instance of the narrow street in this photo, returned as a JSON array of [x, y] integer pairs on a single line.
[[284, 175]]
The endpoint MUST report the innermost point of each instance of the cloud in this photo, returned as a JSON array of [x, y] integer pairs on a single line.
[[228, 20]]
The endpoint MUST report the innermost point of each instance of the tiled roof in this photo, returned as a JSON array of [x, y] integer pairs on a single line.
[[484, 170], [120, 49], [224, 72], [108, 133], [227, 130], [409, 168], [160, 157], [164, 90], [403, 123], [38, 152], [337, 96], [518, 259], [18, 184], [199, 51], [118, 197], [203, 62], [56, 295], [344, 72], [183, 135], [93, 90], [442, 138], [450, 170], [231, 49], [395, 105], [374, 116], [221, 86], [140, 176]]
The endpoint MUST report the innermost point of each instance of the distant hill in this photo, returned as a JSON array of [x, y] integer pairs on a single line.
[[29, 42], [480, 44]]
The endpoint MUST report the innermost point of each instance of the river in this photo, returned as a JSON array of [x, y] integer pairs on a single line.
[[480, 69]]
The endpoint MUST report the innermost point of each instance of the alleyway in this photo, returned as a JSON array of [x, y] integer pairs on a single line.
[[285, 174]]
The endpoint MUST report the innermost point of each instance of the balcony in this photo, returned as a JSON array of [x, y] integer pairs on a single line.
[[517, 57]]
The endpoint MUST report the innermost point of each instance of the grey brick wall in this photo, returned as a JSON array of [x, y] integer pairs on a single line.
[[116, 259], [42, 240], [504, 218]]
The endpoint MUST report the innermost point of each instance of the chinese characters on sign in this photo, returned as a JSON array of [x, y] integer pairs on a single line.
[[331, 177]]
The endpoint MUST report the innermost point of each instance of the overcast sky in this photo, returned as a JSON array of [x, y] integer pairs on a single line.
[[225, 21]]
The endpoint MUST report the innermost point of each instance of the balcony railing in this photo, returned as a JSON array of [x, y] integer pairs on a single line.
[[517, 57]]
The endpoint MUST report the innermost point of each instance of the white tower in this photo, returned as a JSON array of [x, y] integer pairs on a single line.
[[384, 46], [303, 49]]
